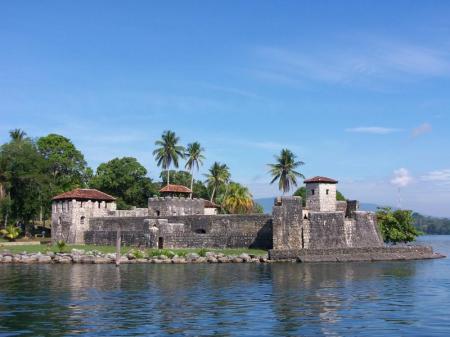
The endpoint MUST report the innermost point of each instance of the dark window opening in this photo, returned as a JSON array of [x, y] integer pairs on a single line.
[[303, 240], [312, 192], [82, 220], [305, 217], [158, 213], [328, 191], [81, 204], [160, 243], [200, 231]]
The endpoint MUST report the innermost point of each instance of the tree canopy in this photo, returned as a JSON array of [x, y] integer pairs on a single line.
[[168, 152], [124, 178], [284, 170], [396, 226]]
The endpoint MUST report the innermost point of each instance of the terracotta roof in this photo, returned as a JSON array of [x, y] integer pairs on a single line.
[[209, 204], [319, 179], [175, 189], [84, 194]]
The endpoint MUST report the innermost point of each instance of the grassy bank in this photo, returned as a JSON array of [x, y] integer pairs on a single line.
[[111, 249]]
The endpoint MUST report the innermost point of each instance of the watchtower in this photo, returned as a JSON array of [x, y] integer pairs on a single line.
[[321, 194], [72, 210]]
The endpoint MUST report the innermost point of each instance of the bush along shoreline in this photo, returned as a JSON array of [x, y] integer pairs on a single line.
[[133, 256]]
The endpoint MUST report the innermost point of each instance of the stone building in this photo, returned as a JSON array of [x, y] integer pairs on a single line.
[[174, 220]]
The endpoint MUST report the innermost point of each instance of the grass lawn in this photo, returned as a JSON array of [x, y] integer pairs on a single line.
[[112, 249]]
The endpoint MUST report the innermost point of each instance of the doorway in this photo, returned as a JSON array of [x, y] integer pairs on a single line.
[[160, 243]]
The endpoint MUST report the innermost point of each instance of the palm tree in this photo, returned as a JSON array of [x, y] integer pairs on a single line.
[[284, 170], [219, 174], [238, 199], [194, 153], [17, 135], [168, 151]]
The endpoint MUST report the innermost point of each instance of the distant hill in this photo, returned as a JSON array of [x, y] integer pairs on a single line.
[[425, 223]]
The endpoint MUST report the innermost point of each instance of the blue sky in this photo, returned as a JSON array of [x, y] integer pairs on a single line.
[[359, 90]]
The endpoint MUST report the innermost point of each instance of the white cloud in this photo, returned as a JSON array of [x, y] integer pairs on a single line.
[[377, 130], [401, 178], [442, 176], [421, 130]]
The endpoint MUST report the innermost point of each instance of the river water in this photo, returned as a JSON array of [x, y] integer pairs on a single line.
[[283, 299]]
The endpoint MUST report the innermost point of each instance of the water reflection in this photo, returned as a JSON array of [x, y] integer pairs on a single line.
[[357, 299]]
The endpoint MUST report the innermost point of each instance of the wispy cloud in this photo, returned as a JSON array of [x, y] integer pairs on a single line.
[[376, 130], [421, 130], [439, 176], [355, 63]]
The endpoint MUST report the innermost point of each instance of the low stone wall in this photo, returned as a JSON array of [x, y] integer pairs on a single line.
[[190, 231], [413, 252]]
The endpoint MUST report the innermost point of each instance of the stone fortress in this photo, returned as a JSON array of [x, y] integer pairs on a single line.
[[324, 230]]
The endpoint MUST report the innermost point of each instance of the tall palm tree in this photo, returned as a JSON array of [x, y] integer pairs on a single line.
[[168, 151], [238, 199], [194, 155], [17, 135], [219, 174], [284, 170]]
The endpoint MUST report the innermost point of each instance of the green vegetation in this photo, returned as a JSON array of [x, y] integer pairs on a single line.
[[238, 199], [284, 170], [11, 233], [396, 226], [217, 177], [127, 179], [124, 250], [431, 225], [195, 157], [168, 151]]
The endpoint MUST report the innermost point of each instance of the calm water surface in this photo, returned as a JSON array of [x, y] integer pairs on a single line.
[[354, 299]]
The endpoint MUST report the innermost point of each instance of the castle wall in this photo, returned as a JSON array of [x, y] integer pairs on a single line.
[[174, 206], [190, 231], [287, 223]]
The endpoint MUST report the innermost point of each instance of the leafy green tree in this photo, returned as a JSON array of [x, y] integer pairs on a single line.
[[26, 183], [218, 175], [396, 226], [168, 151], [284, 170], [301, 192], [65, 164], [124, 178], [194, 155], [238, 199]]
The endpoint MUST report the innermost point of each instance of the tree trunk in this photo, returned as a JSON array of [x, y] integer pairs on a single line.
[[212, 194], [192, 181], [6, 219], [168, 176]]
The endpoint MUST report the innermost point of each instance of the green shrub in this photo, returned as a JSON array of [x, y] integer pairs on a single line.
[[202, 252], [11, 233], [61, 245], [137, 254], [158, 252]]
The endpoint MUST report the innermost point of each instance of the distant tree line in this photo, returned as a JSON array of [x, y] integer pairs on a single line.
[[431, 225]]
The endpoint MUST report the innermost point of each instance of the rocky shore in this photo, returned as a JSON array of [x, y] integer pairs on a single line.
[[95, 257]]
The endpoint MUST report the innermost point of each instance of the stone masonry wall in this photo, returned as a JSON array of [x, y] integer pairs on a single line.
[[287, 223], [220, 231], [174, 206], [323, 199]]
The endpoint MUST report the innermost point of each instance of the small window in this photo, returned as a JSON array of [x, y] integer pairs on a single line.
[[158, 213], [81, 204], [312, 192], [200, 231], [82, 220], [59, 221], [99, 204], [328, 191]]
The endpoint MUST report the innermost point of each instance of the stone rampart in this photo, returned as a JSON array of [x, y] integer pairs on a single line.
[[175, 206], [190, 231]]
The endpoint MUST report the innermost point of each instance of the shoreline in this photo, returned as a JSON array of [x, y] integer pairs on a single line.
[[77, 256]]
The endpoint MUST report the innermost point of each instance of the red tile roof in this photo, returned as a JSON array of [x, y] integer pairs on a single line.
[[319, 179], [175, 189], [84, 194], [209, 204]]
